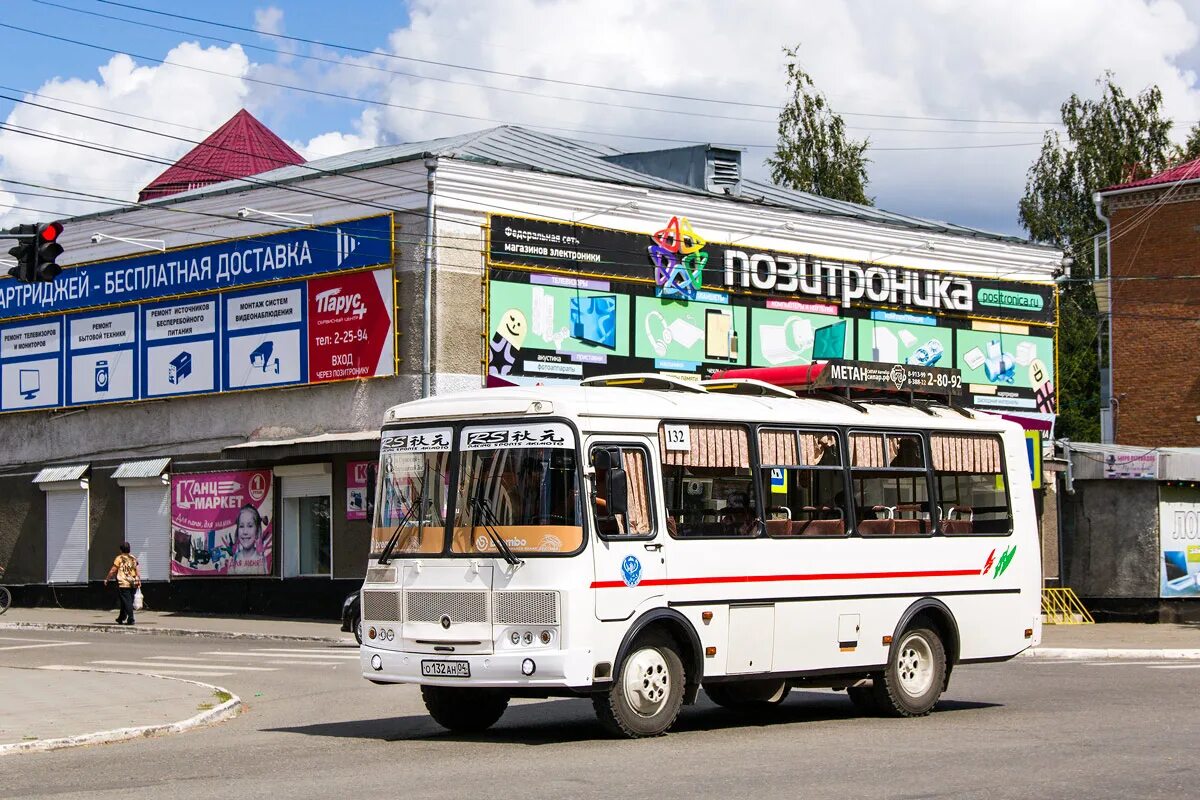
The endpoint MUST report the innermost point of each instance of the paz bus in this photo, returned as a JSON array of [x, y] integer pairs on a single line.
[[636, 538]]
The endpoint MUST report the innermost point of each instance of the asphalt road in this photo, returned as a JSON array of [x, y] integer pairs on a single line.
[[313, 728]]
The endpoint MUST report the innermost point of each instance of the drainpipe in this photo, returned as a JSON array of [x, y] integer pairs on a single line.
[[426, 318], [1096, 267]]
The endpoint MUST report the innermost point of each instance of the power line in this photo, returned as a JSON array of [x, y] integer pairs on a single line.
[[491, 88], [543, 79]]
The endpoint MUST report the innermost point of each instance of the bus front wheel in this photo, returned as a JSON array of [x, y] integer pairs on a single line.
[[912, 683], [464, 710], [648, 691]]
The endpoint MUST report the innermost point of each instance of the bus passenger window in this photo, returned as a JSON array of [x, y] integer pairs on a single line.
[[890, 485], [637, 521], [972, 491], [709, 487], [802, 482]]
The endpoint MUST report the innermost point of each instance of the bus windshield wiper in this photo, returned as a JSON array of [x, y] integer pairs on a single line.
[[481, 508], [385, 556]]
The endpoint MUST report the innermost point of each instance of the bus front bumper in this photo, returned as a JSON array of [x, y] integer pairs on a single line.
[[550, 668]]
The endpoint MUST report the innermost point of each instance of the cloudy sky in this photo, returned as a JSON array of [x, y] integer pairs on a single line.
[[954, 96]]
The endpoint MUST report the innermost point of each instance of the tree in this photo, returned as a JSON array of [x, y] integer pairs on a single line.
[[1191, 148], [813, 153], [1108, 141]]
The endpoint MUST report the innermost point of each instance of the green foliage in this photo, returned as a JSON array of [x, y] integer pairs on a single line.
[[1191, 149], [1107, 141], [813, 153]]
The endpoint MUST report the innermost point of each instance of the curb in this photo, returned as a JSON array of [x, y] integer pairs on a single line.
[[227, 710], [136, 631], [1100, 654]]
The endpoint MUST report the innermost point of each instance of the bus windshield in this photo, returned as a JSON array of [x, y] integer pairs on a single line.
[[519, 483], [522, 481], [413, 485]]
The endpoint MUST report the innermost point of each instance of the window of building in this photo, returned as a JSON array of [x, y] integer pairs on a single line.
[[972, 491], [638, 521], [709, 487], [890, 484], [307, 519], [803, 483]]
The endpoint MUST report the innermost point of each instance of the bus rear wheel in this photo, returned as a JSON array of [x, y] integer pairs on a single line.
[[915, 676], [748, 695], [648, 691], [464, 710]]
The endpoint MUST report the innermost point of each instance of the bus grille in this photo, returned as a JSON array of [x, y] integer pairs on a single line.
[[381, 606], [381, 574], [526, 608], [458, 606]]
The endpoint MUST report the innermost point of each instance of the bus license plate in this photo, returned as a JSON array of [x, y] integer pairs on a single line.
[[446, 669]]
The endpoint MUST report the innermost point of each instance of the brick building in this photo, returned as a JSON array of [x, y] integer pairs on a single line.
[[1154, 246]]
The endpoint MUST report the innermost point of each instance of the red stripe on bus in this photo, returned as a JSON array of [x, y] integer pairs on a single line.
[[816, 576]]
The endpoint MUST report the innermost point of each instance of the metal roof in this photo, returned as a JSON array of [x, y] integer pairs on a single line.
[[149, 468], [522, 148], [1187, 171], [321, 444], [66, 472]]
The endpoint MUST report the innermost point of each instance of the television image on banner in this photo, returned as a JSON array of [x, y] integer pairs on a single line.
[[594, 320], [829, 341], [221, 523]]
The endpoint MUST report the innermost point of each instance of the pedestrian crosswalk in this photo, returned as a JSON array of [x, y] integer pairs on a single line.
[[224, 662]]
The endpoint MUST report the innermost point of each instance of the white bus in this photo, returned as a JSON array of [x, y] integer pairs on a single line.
[[635, 539]]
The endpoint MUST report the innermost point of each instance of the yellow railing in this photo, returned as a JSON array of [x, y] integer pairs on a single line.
[[1060, 606]]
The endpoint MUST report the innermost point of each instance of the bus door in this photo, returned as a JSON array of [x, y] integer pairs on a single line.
[[627, 546]]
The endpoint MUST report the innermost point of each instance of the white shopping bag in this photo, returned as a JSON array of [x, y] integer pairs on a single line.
[[137, 599]]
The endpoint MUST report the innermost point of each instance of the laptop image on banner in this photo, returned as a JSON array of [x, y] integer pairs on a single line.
[[829, 341], [1175, 567]]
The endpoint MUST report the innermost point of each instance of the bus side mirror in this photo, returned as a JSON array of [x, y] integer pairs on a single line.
[[618, 492]]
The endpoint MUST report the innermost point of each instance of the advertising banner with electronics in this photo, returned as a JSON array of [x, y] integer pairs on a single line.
[[568, 302], [337, 327], [221, 523], [216, 266], [1179, 539]]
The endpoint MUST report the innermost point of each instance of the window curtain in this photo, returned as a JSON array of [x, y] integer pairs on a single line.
[[634, 462], [866, 450], [961, 452], [711, 446]]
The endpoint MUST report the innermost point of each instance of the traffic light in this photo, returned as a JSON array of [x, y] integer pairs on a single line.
[[37, 247], [23, 252], [46, 250]]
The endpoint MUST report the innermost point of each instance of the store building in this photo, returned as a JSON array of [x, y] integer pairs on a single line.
[[1149, 297], [217, 404]]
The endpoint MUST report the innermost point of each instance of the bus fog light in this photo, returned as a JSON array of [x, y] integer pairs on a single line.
[[528, 667], [376, 662], [545, 637]]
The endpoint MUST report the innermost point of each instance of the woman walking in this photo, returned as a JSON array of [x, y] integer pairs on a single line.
[[129, 579]]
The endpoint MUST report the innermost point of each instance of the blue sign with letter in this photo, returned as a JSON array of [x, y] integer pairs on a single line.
[[212, 267]]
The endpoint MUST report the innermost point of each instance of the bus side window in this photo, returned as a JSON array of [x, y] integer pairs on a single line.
[[972, 490], [890, 485], [637, 520], [802, 482], [710, 488]]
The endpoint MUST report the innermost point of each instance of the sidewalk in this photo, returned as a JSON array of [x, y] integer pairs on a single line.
[[164, 622], [69, 707]]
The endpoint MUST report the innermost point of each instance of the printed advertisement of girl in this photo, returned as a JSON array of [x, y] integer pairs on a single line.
[[221, 523]]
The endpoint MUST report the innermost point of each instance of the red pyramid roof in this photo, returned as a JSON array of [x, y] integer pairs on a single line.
[[241, 147]]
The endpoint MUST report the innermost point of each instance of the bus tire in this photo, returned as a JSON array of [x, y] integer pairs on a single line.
[[754, 695], [648, 691], [464, 710], [915, 676], [863, 698]]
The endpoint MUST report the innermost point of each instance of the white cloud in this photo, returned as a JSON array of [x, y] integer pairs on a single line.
[[993, 60], [989, 60], [268, 20], [199, 101]]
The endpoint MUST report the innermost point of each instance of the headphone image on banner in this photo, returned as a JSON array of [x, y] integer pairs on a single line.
[[658, 342]]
